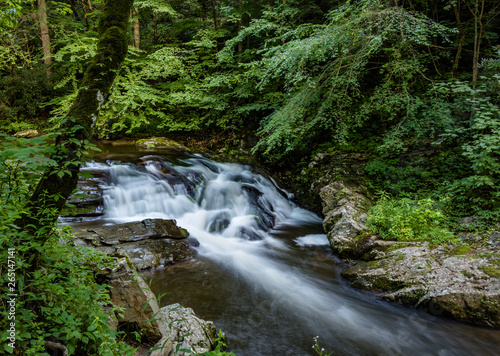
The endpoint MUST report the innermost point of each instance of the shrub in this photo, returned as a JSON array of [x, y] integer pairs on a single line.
[[57, 297], [408, 220]]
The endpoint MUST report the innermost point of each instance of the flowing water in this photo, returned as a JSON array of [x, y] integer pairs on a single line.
[[264, 272]]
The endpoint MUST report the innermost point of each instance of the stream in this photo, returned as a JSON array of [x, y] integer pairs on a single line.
[[264, 272]]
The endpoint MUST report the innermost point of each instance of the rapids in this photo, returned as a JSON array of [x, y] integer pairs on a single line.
[[264, 272]]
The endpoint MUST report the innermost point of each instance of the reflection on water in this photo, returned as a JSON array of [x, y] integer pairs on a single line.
[[264, 273]]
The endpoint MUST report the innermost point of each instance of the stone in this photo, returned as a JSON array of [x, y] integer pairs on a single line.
[[431, 279], [132, 231], [344, 208], [140, 306], [160, 142], [186, 332], [88, 199], [26, 134], [152, 253]]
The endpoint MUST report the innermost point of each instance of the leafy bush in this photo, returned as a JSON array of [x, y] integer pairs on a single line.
[[408, 220], [57, 297]]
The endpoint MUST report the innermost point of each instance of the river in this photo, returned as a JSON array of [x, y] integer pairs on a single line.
[[264, 272]]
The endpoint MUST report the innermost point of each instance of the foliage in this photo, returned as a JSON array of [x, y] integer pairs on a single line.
[[390, 78], [408, 220], [219, 349], [319, 350], [57, 296], [324, 69], [459, 158]]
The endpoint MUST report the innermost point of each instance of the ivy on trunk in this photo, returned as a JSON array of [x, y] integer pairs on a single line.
[[57, 184]]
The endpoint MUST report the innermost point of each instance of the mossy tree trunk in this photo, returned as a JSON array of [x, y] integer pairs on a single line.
[[58, 183]]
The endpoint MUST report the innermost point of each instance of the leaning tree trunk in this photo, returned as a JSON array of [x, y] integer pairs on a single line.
[[57, 184]]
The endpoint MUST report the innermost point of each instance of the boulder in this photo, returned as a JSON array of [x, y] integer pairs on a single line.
[[132, 231], [26, 134], [148, 243], [344, 208], [456, 286], [140, 306], [187, 334], [152, 253], [160, 142]]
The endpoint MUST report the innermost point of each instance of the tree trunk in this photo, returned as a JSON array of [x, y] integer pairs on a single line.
[[462, 32], [57, 184], [85, 13], [478, 13], [44, 31], [214, 14], [240, 26], [137, 32]]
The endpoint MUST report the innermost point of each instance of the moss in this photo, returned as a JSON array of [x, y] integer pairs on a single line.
[[492, 271], [53, 189], [460, 250], [467, 274]]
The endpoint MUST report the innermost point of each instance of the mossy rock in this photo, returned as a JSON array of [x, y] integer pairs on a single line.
[[27, 134], [160, 142]]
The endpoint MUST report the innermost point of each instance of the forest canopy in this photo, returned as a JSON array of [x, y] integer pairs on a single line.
[[398, 79]]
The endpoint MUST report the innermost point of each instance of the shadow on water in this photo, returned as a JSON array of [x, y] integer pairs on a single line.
[[264, 272]]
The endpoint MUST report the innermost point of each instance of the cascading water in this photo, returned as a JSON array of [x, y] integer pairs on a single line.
[[264, 272]]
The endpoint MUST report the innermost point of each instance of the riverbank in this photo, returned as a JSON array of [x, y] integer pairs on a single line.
[[458, 281]]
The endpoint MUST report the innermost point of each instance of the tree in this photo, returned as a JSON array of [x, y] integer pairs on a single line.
[[56, 185], [44, 32]]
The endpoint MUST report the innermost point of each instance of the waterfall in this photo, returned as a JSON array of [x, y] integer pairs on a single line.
[[259, 240]]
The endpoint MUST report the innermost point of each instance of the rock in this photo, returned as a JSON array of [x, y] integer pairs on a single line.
[[464, 286], [26, 134], [132, 231], [88, 200], [161, 142], [344, 208], [140, 307], [187, 332], [152, 253], [149, 243], [452, 286]]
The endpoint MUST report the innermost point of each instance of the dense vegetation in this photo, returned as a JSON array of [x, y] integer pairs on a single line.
[[414, 84]]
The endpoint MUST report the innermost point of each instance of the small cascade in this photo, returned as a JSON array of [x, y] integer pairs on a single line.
[[264, 273]]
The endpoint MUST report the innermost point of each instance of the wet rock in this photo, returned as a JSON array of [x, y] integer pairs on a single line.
[[87, 201], [140, 307], [187, 332], [344, 208], [160, 142], [152, 253], [26, 134], [219, 223], [146, 244], [447, 285], [132, 231]]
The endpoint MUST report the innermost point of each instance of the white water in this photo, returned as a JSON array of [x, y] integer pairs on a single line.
[[235, 214]]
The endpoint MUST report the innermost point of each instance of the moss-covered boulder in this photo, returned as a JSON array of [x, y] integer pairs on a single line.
[[344, 208], [160, 142], [448, 285]]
